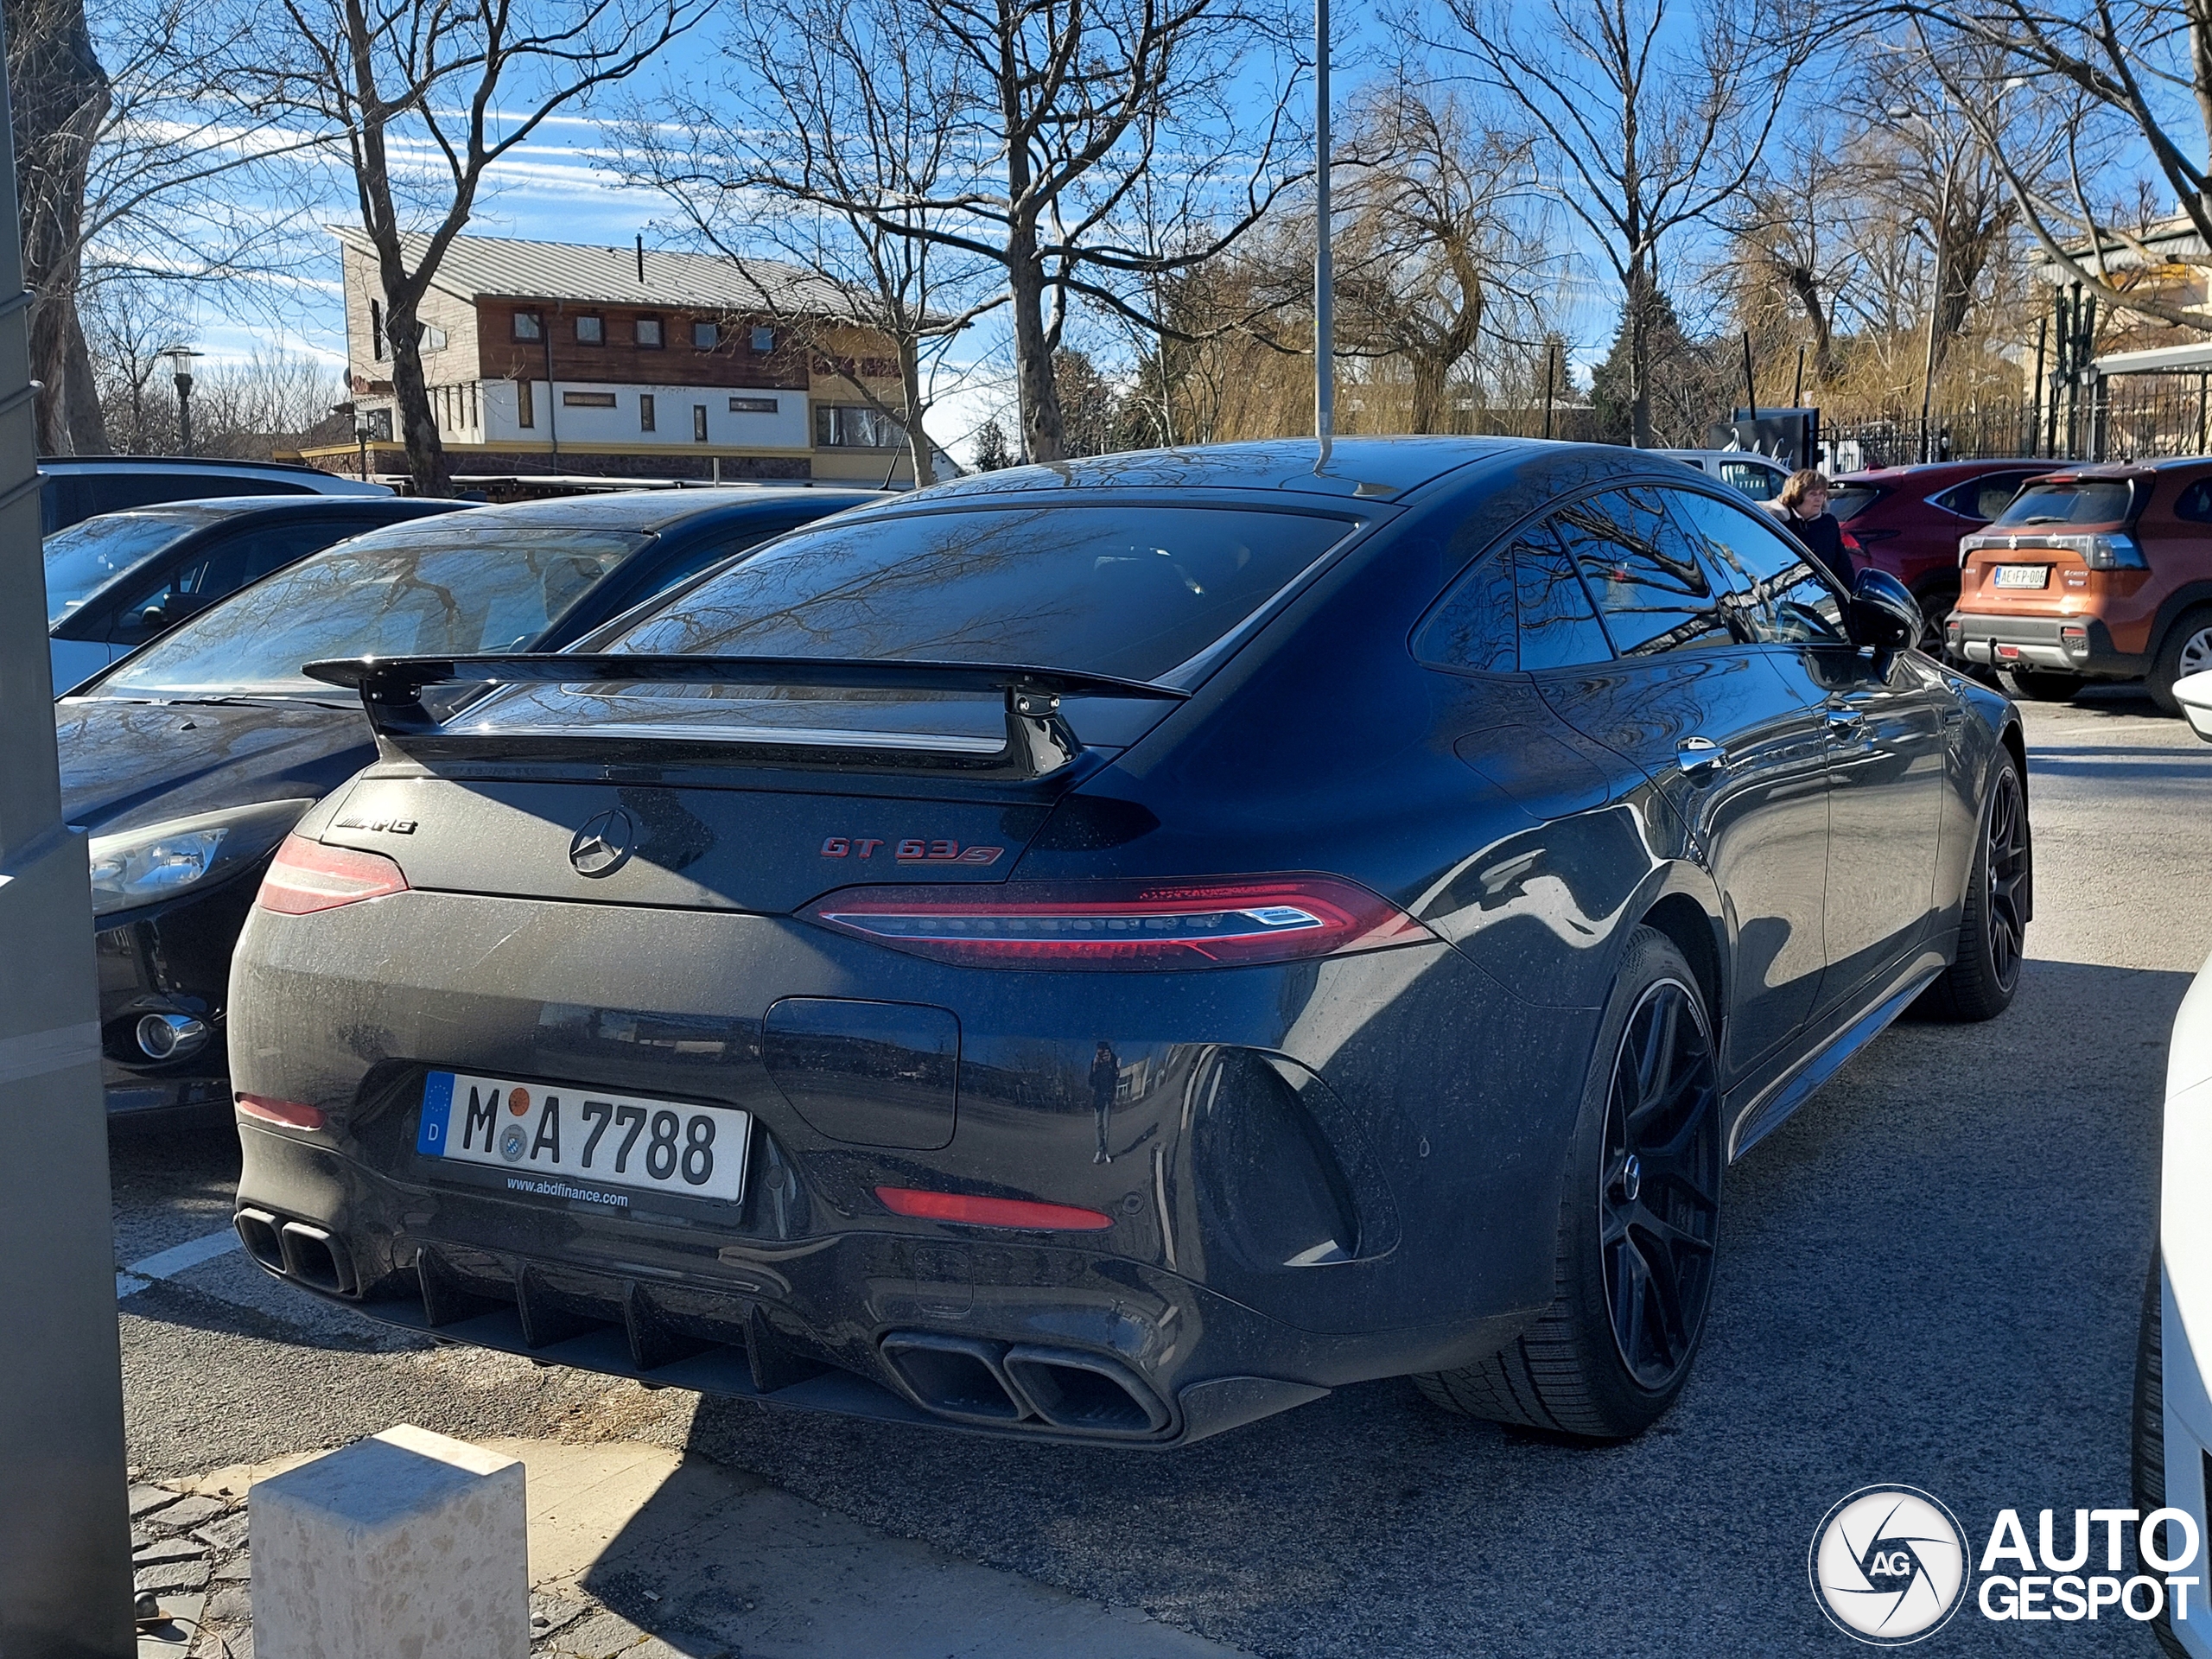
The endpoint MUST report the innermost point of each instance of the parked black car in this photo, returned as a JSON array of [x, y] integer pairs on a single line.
[[1115, 949], [115, 581], [189, 761], [72, 488]]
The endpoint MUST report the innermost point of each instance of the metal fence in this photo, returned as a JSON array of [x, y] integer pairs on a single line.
[[2121, 417]]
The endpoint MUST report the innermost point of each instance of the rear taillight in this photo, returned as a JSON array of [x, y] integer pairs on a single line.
[[1214, 922], [307, 876], [975, 1210]]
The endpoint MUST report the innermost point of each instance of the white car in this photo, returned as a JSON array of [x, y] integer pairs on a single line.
[[2173, 1411], [1760, 476]]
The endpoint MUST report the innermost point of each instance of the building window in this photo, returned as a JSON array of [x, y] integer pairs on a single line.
[[529, 325], [698, 422], [379, 426], [379, 348], [764, 340], [591, 331], [586, 400], [434, 339], [848, 426], [646, 412], [525, 404], [752, 405], [649, 332], [706, 335]]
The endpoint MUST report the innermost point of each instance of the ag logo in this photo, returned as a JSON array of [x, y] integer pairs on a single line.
[[1888, 1565]]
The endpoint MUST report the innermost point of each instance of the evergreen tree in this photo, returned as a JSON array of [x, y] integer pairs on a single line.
[[991, 453]]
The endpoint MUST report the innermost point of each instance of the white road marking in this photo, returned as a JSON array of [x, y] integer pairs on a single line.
[[167, 1264]]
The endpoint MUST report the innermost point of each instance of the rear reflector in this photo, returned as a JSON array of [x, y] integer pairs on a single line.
[[990, 1212], [290, 1113], [1212, 922], [307, 876]]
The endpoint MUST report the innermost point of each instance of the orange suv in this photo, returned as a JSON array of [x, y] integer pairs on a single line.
[[2093, 573]]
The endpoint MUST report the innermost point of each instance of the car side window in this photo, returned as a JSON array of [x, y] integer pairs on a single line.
[[1558, 626], [1781, 598], [1642, 570], [1473, 627], [219, 568], [1757, 482], [2194, 503]]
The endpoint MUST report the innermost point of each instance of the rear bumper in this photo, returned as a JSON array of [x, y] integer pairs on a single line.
[[1318, 1173], [2071, 645]]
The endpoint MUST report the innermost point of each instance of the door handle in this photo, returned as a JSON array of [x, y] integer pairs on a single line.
[[1847, 724], [1701, 759]]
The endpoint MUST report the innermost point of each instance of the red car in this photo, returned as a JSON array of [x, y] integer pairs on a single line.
[[1907, 520]]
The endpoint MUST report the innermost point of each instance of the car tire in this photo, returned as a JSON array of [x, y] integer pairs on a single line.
[[2149, 1453], [2187, 648], [1993, 916], [1632, 1278], [2046, 685]]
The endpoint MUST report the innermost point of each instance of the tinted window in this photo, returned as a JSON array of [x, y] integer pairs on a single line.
[[1559, 625], [1642, 571], [1778, 597], [2194, 503], [402, 591], [1134, 591], [1473, 626], [1760, 483], [1982, 497], [224, 567], [2087, 501], [1852, 499]]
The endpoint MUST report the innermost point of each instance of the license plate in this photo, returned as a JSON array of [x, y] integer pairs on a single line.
[[2023, 576], [555, 1140]]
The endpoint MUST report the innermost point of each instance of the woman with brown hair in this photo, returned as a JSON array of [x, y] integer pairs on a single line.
[[1802, 506]]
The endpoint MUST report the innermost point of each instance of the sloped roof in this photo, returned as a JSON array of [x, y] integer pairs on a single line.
[[490, 267]]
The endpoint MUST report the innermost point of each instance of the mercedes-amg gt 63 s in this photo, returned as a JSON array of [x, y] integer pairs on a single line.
[[1113, 950]]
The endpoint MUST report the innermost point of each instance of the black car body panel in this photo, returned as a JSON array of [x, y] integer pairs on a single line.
[[129, 763], [1301, 1173]]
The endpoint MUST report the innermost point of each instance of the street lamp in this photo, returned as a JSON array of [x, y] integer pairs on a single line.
[[181, 360]]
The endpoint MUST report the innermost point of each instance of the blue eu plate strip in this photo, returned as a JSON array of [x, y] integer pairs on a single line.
[[437, 1106]]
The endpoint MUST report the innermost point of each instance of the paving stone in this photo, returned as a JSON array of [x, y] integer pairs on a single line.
[[230, 1604], [167, 1549], [551, 1613], [144, 1500], [600, 1637], [240, 1566], [226, 1534], [169, 1576], [189, 1512]]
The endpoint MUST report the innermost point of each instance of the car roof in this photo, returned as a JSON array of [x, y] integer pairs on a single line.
[[1368, 469], [216, 509], [1729, 454], [183, 463], [648, 511], [1936, 470]]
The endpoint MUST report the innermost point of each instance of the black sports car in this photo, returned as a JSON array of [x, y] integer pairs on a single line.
[[189, 762], [1115, 949]]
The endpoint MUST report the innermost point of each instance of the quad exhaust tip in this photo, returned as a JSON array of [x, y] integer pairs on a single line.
[[973, 1380], [298, 1250]]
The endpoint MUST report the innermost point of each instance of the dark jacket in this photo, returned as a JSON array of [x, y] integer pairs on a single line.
[[1823, 539]]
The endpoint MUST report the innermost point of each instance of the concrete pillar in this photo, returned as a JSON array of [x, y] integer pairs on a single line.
[[405, 1546]]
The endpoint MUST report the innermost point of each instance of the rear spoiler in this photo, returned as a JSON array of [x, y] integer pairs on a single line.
[[1039, 741]]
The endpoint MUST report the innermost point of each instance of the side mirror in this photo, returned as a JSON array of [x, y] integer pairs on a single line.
[[2194, 694], [1883, 613]]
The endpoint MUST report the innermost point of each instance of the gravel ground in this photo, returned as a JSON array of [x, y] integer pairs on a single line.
[[1930, 1276]]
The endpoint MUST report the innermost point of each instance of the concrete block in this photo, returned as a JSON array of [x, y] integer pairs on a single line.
[[405, 1546]]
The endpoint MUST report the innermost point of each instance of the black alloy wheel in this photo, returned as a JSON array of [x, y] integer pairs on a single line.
[[2005, 875], [1659, 1192]]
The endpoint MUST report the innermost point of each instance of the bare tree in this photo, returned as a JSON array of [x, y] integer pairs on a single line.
[[1439, 245], [1055, 111], [417, 98], [1638, 134], [780, 158]]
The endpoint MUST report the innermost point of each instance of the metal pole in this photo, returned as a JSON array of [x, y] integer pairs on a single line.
[[1551, 373], [1750, 391], [2034, 414], [184, 414], [1934, 306], [1325, 301], [1797, 391], [65, 1529]]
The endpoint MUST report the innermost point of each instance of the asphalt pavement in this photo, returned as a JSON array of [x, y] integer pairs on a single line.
[[1930, 1276]]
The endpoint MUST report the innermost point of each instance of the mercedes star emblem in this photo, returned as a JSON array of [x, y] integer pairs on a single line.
[[604, 844]]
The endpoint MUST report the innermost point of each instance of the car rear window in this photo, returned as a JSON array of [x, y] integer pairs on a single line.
[[1852, 499], [2078, 501], [1760, 483], [1125, 590], [1982, 497]]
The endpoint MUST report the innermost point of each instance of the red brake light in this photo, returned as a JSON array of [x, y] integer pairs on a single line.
[[990, 1212], [1213, 922], [290, 1113], [306, 876]]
